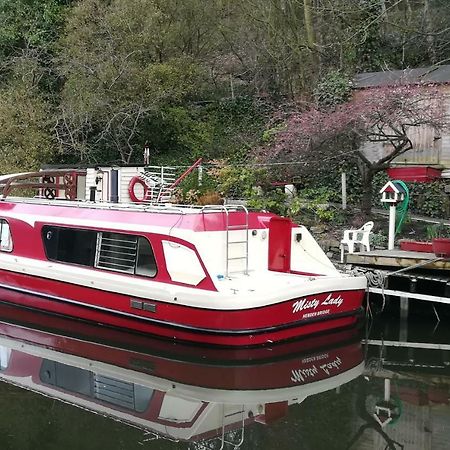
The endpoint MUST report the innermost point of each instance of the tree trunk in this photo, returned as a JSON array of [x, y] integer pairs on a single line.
[[429, 30], [309, 25], [367, 174]]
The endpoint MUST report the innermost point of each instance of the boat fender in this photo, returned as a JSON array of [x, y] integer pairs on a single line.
[[137, 180]]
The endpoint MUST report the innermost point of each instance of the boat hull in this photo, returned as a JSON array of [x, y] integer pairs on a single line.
[[288, 319]]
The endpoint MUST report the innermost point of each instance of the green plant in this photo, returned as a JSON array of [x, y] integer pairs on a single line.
[[438, 230], [378, 239], [429, 199], [316, 201], [273, 200], [237, 181], [334, 88]]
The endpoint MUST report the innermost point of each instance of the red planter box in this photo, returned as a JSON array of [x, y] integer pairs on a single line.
[[416, 246], [441, 247], [420, 174]]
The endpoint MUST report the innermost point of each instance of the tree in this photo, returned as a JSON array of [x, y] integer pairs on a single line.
[[124, 63], [25, 129], [385, 115]]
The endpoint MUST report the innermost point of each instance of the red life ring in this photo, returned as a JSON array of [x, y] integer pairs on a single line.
[[137, 180]]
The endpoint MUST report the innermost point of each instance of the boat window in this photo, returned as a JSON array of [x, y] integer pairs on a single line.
[[145, 264], [6, 244], [125, 253], [70, 245], [105, 250], [109, 390], [5, 356], [182, 263]]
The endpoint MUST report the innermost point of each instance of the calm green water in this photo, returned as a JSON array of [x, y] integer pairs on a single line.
[[326, 396]]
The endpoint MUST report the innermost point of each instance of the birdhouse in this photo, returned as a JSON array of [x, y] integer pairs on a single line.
[[392, 193]]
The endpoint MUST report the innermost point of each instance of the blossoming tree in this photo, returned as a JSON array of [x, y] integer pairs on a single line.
[[385, 114]]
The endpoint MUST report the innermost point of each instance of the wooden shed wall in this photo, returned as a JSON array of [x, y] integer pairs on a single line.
[[431, 147]]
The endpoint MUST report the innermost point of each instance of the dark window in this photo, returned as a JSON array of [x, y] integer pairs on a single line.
[[104, 250], [145, 264], [106, 389], [70, 245]]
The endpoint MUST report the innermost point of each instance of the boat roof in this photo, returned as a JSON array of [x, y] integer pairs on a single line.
[[125, 216], [133, 216]]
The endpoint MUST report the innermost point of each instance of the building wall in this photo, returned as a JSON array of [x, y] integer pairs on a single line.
[[103, 187], [430, 147]]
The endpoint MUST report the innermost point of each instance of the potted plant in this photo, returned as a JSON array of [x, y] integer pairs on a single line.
[[413, 245], [441, 240]]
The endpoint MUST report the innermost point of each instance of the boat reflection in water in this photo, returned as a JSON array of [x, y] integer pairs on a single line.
[[175, 392]]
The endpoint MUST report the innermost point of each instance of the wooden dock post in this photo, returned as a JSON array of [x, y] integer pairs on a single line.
[[404, 311], [387, 389], [344, 190]]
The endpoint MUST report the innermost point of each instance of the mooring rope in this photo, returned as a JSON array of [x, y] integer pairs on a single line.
[[377, 278]]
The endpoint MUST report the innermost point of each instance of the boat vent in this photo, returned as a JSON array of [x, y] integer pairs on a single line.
[[114, 391], [116, 252], [121, 393]]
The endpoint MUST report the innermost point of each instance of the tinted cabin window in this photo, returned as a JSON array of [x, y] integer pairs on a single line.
[[104, 250], [145, 264], [106, 389], [6, 244], [70, 245]]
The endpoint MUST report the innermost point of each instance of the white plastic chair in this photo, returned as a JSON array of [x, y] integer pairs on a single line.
[[359, 237]]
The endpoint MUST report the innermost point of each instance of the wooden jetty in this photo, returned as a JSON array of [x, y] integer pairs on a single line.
[[399, 259], [405, 275]]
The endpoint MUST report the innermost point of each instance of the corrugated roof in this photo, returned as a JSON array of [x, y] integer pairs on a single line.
[[423, 75]]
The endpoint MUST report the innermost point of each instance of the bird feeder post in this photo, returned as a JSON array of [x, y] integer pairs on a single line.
[[392, 214], [392, 194]]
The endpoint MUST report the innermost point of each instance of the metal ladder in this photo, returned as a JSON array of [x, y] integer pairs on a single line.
[[235, 227], [230, 243]]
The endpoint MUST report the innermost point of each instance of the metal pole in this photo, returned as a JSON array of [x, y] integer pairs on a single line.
[[392, 209], [344, 190], [200, 175]]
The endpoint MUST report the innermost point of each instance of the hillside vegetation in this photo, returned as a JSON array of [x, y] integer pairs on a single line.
[[93, 81]]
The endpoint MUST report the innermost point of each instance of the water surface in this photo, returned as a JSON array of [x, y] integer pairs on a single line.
[[61, 388]]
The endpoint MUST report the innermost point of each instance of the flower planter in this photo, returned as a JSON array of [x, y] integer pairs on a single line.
[[441, 247], [418, 174], [416, 246]]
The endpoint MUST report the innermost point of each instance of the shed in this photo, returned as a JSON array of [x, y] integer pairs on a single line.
[[431, 148]]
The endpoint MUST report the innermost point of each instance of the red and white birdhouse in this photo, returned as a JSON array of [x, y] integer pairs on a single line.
[[392, 193]]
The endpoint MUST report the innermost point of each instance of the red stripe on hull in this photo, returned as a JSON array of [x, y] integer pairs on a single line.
[[238, 327], [51, 331]]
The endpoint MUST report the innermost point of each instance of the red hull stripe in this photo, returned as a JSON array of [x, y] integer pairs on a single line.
[[92, 291], [354, 312], [37, 327], [124, 323]]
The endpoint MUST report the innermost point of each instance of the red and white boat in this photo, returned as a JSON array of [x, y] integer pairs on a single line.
[[169, 398], [216, 274]]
